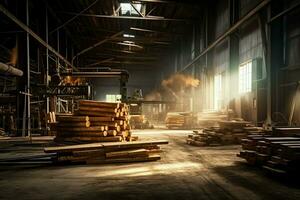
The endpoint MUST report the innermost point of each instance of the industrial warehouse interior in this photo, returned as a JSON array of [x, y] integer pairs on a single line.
[[150, 99]]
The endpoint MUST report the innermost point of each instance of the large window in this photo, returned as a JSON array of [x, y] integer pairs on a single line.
[[127, 8], [245, 77], [113, 97], [218, 96]]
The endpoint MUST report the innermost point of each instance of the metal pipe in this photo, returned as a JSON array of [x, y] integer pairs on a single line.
[[228, 32], [28, 72], [34, 35], [47, 62], [10, 70]]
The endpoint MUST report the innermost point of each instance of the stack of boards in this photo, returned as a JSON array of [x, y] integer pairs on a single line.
[[180, 120], [211, 118], [228, 132], [278, 153], [95, 121], [109, 152], [139, 122]]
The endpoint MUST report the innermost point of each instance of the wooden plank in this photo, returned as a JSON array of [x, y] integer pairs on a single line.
[[120, 145], [124, 160], [128, 153]]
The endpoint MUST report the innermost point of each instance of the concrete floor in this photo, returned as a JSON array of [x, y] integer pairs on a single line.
[[184, 172]]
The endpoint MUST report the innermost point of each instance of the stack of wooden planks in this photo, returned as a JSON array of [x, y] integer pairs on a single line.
[[211, 118], [95, 121], [180, 120], [139, 122], [228, 132], [110, 152], [278, 153]]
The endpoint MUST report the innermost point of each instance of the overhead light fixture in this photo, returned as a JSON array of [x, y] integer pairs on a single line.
[[128, 35]]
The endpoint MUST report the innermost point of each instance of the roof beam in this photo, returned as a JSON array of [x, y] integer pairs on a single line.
[[74, 17], [153, 18], [96, 45]]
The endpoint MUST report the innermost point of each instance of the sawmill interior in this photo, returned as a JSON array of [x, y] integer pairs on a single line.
[[150, 99]]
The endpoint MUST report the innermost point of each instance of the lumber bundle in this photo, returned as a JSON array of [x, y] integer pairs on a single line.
[[278, 154], [111, 152], [180, 120], [139, 122], [211, 118], [228, 132], [95, 121]]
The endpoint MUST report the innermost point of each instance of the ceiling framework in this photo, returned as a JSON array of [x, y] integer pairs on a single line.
[[141, 37]]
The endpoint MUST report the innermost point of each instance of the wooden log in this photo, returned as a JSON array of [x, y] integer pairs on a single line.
[[109, 124], [81, 129], [117, 145], [93, 139], [112, 133], [74, 124], [99, 104], [119, 121], [83, 134], [98, 114], [96, 109], [101, 119], [72, 118]]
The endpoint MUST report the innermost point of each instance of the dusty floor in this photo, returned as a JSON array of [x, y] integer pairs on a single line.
[[185, 172]]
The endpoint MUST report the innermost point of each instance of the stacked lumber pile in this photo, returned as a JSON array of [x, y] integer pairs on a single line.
[[277, 153], [2, 131], [110, 152], [139, 122], [180, 120], [211, 118], [228, 132], [95, 121]]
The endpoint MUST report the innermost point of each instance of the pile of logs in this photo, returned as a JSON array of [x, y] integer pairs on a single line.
[[95, 121], [180, 120], [228, 132], [110, 152], [278, 152], [139, 122]]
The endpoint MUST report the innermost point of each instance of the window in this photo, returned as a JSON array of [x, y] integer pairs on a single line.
[[127, 8], [113, 97], [218, 97], [245, 77]]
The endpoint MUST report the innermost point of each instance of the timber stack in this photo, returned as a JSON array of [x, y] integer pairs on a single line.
[[139, 122], [180, 120], [95, 121], [278, 153], [228, 132], [110, 152]]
